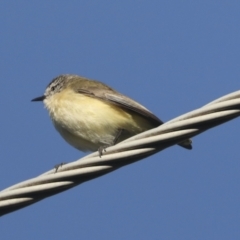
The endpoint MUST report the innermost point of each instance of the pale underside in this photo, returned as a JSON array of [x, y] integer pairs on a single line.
[[88, 123]]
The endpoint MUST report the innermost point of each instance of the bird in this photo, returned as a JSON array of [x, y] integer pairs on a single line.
[[92, 116]]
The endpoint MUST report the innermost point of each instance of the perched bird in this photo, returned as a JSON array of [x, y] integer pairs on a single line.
[[91, 116]]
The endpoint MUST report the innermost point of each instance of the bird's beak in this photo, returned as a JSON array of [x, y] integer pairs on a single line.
[[38, 99]]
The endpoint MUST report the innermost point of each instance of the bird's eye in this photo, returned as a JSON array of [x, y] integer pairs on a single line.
[[52, 88]]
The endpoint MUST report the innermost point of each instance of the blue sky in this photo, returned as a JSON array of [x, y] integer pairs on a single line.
[[171, 56]]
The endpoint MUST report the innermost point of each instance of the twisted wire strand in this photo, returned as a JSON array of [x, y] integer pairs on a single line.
[[129, 151]]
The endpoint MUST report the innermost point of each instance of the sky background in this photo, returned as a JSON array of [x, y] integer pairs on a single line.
[[171, 56]]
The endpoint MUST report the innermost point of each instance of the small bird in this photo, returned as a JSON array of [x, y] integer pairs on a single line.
[[91, 116]]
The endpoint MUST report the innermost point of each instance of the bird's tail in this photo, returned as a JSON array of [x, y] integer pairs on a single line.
[[186, 144]]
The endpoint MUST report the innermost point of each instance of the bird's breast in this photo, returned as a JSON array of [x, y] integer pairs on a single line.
[[87, 122]]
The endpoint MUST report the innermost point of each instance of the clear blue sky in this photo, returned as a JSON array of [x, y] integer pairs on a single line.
[[171, 56]]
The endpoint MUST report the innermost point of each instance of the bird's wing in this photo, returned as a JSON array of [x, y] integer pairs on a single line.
[[121, 100]]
